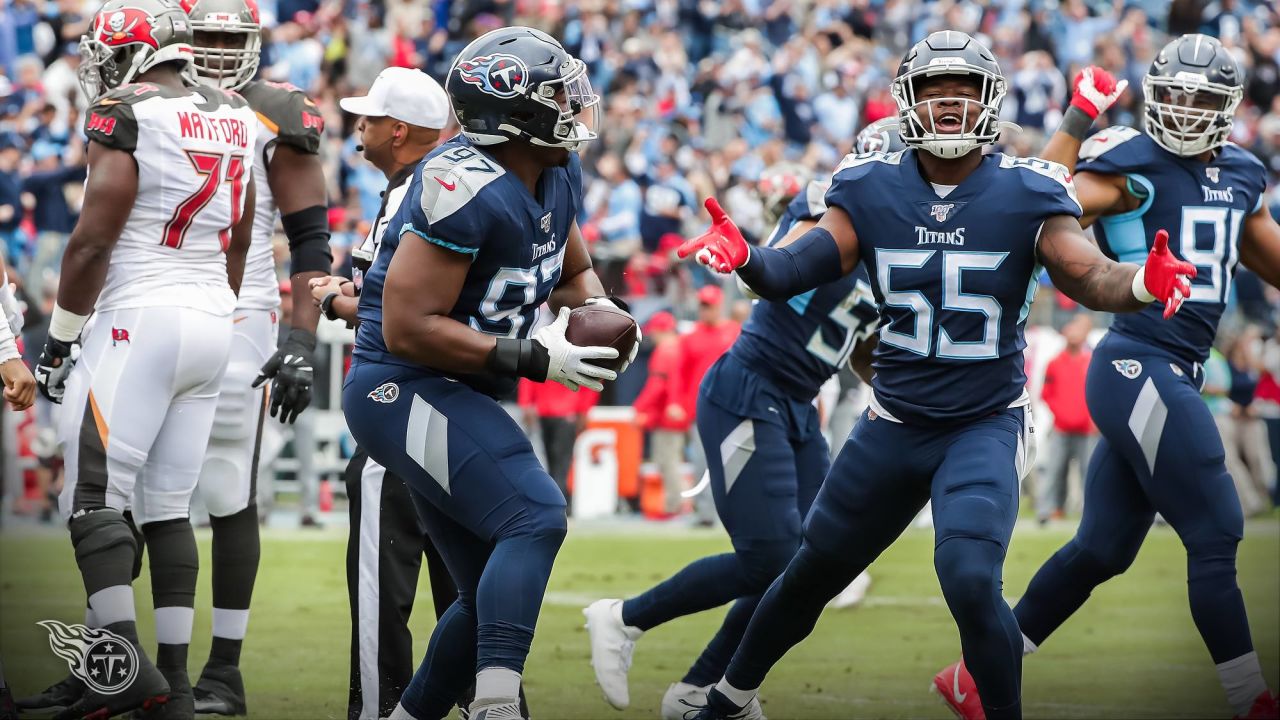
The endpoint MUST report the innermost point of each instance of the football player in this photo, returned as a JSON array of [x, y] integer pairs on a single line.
[[157, 259], [765, 454], [1160, 451], [953, 241], [485, 235], [291, 184]]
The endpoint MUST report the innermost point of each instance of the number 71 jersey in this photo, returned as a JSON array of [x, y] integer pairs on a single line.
[[194, 153], [954, 277], [1202, 205]]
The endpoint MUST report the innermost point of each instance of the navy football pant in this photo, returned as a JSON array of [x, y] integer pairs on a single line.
[[1160, 452], [764, 476], [488, 505], [882, 477]]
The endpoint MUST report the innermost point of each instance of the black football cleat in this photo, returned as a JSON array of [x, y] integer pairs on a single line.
[[220, 691], [147, 694], [57, 696]]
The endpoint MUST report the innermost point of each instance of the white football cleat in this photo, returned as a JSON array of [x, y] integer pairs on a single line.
[[854, 594], [495, 709], [612, 643], [682, 697]]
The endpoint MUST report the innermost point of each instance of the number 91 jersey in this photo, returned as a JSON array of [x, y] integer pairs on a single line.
[[462, 200], [194, 152], [1202, 205], [954, 277], [798, 344]]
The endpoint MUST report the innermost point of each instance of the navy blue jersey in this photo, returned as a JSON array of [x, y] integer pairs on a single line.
[[799, 344], [1202, 205], [464, 201], [954, 277]]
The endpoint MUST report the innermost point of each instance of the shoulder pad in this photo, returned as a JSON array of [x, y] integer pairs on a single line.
[[111, 122], [453, 179], [288, 112], [1238, 154], [1044, 177], [867, 161], [811, 203], [1106, 141]]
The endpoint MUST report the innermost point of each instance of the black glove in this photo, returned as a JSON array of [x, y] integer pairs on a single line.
[[53, 367], [293, 372]]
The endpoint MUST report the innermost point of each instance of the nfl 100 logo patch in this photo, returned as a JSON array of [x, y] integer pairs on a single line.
[[940, 211], [1212, 174]]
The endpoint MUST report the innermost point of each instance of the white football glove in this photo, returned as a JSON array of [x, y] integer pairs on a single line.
[[568, 362], [12, 309], [635, 349]]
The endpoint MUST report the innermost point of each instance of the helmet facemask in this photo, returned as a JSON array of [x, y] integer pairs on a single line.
[[925, 134], [576, 106], [228, 68], [1188, 115]]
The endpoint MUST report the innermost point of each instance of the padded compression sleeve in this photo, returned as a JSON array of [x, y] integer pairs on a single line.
[[780, 273], [308, 233]]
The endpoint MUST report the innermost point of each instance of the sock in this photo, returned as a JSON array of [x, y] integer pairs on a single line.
[[1028, 647], [400, 714], [496, 682], [236, 554], [1243, 681], [741, 698], [174, 566]]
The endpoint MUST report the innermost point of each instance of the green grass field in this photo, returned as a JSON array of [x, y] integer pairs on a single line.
[[1132, 652]]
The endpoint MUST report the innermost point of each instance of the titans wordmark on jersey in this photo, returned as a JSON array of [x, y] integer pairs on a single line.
[[799, 344], [954, 277], [462, 200], [1202, 205]]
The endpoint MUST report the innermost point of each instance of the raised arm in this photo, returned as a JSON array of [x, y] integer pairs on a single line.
[[1084, 274], [1260, 246], [818, 255]]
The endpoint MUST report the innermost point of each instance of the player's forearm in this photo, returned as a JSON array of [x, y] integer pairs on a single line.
[[780, 273], [241, 238], [435, 341], [84, 271], [1101, 285], [306, 315], [348, 309], [1064, 146], [574, 291]]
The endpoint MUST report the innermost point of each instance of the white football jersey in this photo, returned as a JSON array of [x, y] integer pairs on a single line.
[[284, 116], [194, 151]]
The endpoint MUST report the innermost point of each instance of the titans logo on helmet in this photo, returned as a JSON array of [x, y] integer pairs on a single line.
[[499, 74]]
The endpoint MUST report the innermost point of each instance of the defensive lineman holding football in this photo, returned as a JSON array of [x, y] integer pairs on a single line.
[[1160, 450], [157, 258], [290, 181], [952, 240], [486, 234]]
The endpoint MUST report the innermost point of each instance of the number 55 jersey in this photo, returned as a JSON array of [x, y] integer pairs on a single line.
[[194, 152], [954, 271], [1202, 205]]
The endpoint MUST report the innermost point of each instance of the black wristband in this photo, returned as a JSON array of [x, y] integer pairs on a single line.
[[617, 301], [326, 305], [519, 358], [1076, 123], [308, 233]]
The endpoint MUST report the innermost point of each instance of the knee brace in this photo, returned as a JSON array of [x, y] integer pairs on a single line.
[[226, 475], [105, 549]]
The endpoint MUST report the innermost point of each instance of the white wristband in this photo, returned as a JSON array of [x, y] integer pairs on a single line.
[[65, 325], [8, 345], [1140, 286]]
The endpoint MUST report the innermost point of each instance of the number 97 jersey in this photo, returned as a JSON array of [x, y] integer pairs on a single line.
[[194, 152], [1202, 205]]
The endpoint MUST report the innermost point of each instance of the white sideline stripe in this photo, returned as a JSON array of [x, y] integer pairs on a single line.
[[371, 476]]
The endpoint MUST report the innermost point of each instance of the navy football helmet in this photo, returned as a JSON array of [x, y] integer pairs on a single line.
[[1191, 94], [948, 52], [520, 83], [881, 136]]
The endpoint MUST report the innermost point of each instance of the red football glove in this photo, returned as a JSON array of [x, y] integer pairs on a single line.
[[1095, 90], [1166, 277], [722, 248]]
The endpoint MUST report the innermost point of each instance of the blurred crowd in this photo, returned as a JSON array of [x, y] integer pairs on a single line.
[[700, 97]]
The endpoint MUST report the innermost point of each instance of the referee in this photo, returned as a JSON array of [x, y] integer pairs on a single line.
[[400, 122]]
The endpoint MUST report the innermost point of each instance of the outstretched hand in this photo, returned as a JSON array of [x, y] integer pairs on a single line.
[[721, 248]]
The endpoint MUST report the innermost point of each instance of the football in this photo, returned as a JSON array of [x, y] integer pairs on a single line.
[[603, 326]]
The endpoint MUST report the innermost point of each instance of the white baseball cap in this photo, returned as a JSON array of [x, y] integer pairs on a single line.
[[408, 95]]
